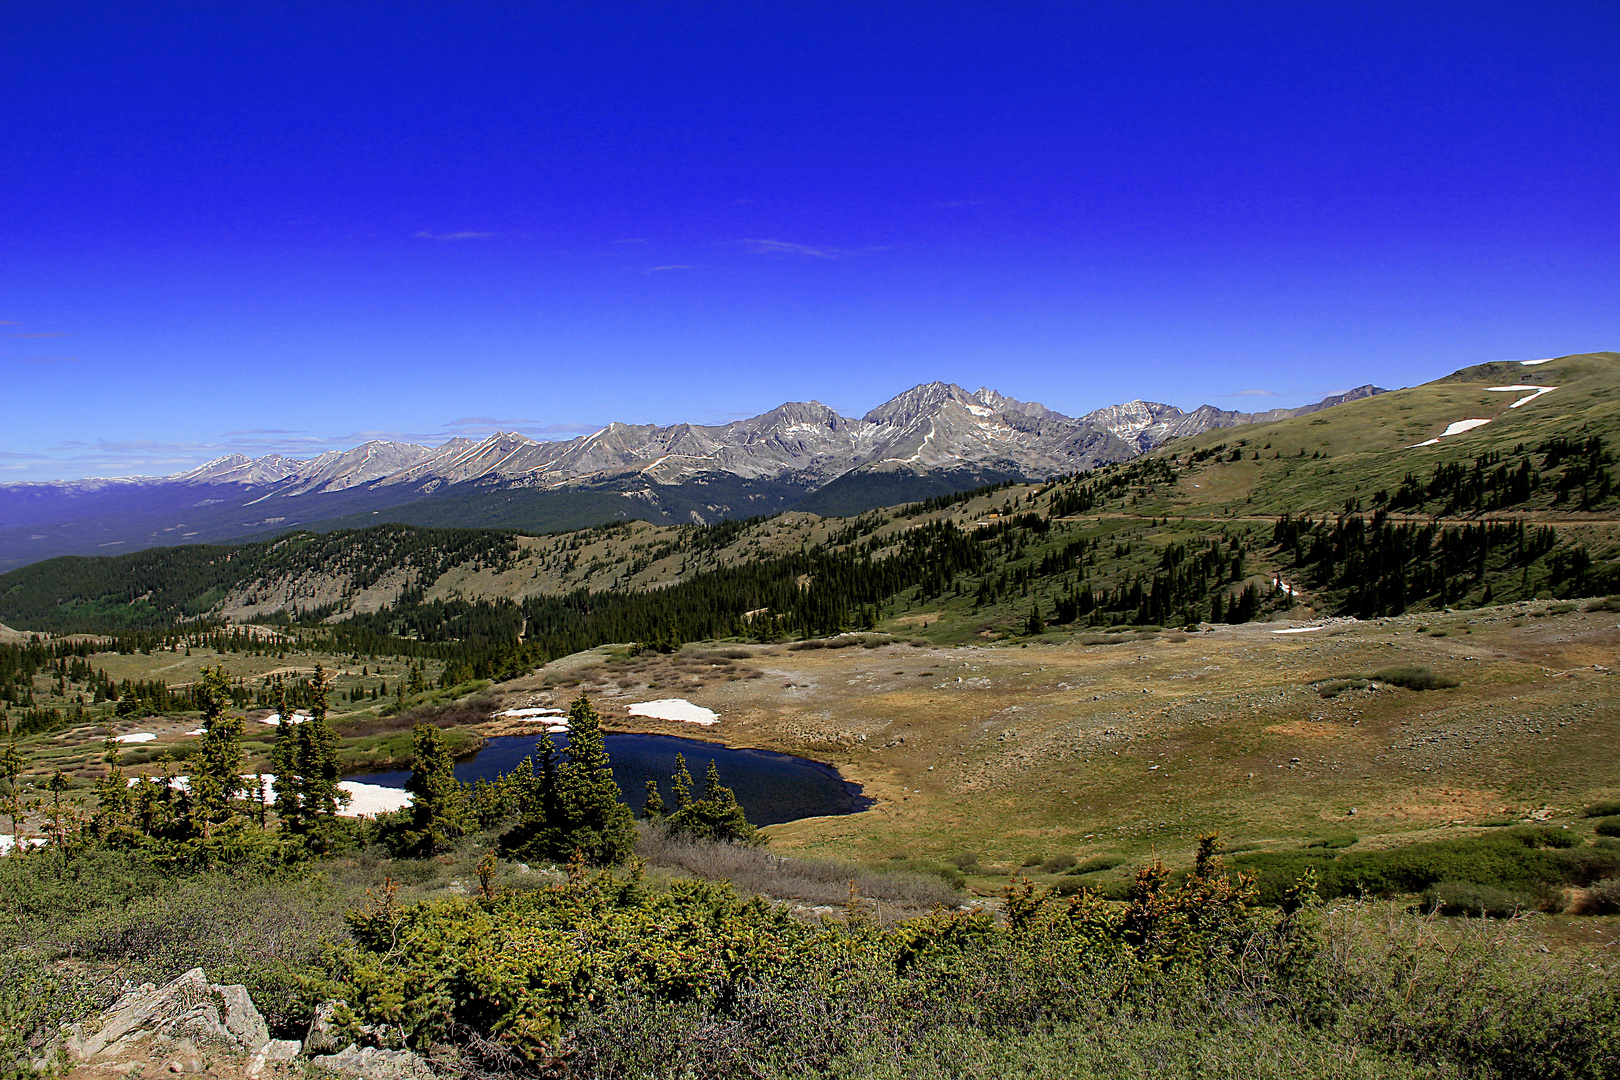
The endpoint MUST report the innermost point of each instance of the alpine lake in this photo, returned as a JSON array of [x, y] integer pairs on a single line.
[[772, 787]]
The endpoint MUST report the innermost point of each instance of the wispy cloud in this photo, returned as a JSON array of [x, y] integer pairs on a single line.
[[661, 269], [46, 334], [48, 360], [483, 422], [1250, 393], [426, 235], [782, 247], [9, 322]]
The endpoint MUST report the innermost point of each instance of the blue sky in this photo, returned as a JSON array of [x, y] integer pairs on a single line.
[[292, 227]]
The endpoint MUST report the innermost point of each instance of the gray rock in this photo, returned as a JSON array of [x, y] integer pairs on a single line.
[[189, 1011], [375, 1064], [276, 1050], [328, 1034]]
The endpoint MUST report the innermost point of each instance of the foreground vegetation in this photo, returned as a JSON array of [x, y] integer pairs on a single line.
[[502, 969]]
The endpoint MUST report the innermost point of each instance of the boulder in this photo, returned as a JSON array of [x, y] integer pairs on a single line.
[[173, 1021], [375, 1064], [332, 1027], [276, 1050]]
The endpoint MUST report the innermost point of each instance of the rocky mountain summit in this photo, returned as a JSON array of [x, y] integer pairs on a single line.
[[931, 426], [933, 438]]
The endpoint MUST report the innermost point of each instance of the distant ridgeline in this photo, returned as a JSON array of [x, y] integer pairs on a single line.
[[1080, 551]]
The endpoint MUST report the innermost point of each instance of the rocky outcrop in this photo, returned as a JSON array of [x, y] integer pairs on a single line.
[[182, 1025], [374, 1064]]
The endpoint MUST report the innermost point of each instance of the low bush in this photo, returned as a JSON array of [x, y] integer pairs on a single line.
[[444, 715], [1467, 898], [1096, 864], [1336, 687], [754, 871], [1603, 898], [1336, 839], [1605, 808], [1528, 860], [1609, 826], [1058, 863], [1415, 678]]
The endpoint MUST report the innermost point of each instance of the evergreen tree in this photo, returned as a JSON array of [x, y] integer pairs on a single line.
[[682, 781], [716, 816], [112, 820], [11, 767], [438, 807], [284, 767], [654, 808], [216, 777], [574, 809], [1034, 624], [317, 767]]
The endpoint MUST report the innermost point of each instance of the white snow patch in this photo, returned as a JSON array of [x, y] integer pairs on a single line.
[[7, 842], [140, 736], [1532, 363], [197, 731], [365, 800], [1539, 390], [368, 800], [275, 718], [525, 714], [1456, 427], [677, 709], [1299, 630], [557, 729]]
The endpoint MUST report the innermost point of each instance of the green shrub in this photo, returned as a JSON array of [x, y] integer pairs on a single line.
[[1337, 839], [1467, 898], [1605, 808], [1415, 678], [1609, 826], [1526, 860], [1603, 898], [1096, 864], [1543, 836], [1058, 863], [1335, 687]]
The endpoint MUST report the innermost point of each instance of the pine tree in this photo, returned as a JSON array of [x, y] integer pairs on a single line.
[[654, 808], [11, 767], [574, 809], [112, 819], [682, 781], [217, 776], [318, 769], [289, 804], [716, 816], [438, 805]]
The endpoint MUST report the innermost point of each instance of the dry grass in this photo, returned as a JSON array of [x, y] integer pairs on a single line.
[[815, 881]]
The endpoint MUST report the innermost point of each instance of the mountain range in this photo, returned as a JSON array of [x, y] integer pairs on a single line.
[[934, 438]]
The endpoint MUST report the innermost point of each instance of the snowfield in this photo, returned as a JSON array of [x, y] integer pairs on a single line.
[[365, 800], [677, 709], [1455, 428]]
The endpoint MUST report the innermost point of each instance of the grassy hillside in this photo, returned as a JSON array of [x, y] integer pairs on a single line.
[[1335, 512]]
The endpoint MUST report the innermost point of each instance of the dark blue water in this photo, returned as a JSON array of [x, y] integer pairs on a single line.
[[771, 787]]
